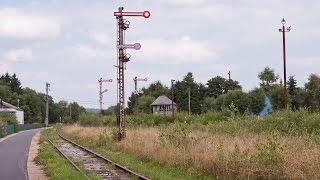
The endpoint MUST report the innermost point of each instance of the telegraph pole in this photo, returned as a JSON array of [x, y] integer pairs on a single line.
[[172, 108], [100, 81], [283, 30], [122, 59], [189, 100], [229, 75], [47, 104]]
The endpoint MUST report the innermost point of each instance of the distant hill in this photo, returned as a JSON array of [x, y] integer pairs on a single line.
[[93, 110]]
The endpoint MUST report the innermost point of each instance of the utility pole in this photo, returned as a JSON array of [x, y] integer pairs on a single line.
[[189, 100], [100, 81], [283, 30], [122, 59], [47, 104], [229, 74], [172, 108]]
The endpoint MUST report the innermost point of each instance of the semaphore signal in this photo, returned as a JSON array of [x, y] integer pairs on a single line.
[[122, 59]]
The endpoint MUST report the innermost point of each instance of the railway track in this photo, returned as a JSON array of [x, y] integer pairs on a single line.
[[92, 162]]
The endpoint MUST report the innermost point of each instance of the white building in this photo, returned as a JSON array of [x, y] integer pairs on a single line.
[[6, 107], [163, 105]]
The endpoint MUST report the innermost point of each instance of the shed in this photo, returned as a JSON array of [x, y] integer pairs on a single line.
[[6, 107], [163, 105]]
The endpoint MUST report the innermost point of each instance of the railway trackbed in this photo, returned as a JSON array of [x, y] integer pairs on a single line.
[[92, 162]]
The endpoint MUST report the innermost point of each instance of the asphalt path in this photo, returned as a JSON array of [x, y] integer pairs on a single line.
[[14, 156]]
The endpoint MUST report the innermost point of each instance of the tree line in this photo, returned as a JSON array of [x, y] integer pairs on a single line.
[[221, 94], [34, 103]]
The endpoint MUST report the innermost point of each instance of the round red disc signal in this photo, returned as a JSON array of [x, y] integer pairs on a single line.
[[146, 14]]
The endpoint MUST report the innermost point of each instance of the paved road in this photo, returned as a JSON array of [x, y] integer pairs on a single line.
[[14, 155]]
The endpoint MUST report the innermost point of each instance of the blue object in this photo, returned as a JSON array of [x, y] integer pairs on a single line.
[[267, 106]]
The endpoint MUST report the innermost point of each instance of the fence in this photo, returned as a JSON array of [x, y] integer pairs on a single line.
[[9, 130], [21, 127]]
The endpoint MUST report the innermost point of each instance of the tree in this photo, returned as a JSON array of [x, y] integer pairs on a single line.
[[231, 85], [5, 92], [208, 104], [292, 90], [181, 89], [277, 97], [219, 85], [238, 99], [62, 106], [256, 100], [312, 89], [143, 105], [110, 111], [15, 84], [132, 102], [76, 110], [268, 78], [12, 81], [292, 85], [216, 86], [156, 89]]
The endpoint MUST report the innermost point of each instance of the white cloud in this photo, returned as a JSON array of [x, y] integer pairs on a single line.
[[184, 2], [101, 38], [4, 67], [183, 50], [16, 24], [83, 51], [23, 54]]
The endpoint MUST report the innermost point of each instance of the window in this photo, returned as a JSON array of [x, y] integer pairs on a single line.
[[165, 108]]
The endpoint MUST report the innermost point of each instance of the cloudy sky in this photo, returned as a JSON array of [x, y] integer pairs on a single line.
[[71, 43]]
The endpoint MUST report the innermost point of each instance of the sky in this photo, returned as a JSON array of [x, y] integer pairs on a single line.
[[72, 43]]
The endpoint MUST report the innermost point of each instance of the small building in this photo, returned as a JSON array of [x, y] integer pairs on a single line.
[[163, 105], [6, 107]]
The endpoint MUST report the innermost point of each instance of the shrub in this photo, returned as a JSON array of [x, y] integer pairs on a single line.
[[256, 99], [238, 99], [10, 118], [96, 120]]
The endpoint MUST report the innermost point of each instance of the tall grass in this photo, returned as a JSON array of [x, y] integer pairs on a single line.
[[284, 122], [243, 156]]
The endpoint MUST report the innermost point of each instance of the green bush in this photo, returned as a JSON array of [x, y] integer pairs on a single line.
[[238, 99], [96, 120], [256, 100], [10, 118]]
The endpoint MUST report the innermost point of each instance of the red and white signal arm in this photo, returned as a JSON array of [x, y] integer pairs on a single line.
[[145, 14]]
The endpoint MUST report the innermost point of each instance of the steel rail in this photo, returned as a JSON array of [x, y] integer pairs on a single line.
[[69, 160], [105, 159]]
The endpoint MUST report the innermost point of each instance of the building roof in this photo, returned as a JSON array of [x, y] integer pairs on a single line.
[[5, 105], [162, 100]]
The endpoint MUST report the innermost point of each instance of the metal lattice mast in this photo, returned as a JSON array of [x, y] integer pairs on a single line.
[[122, 59], [283, 30], [100, 81]]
